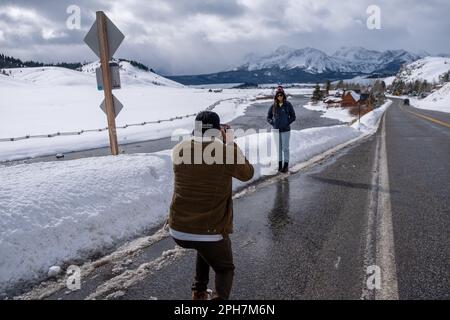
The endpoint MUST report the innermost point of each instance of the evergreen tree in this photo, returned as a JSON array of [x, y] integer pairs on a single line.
[[327, 87], [424, 87], [416, 86], [138, 65], [397, 87], [408, 87], [317, 94]]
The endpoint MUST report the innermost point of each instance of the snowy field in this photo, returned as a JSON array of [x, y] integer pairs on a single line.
[[54, 212], [47, 100], [337, 113]]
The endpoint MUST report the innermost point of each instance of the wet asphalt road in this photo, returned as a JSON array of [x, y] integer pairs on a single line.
[[304, 235], [418, 152], [298, 238], [254, 118]]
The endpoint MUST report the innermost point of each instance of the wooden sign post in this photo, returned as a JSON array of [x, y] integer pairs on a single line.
[[104, 38], [104, 60]]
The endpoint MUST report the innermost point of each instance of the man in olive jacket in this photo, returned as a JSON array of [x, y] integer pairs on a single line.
[[201, 213]]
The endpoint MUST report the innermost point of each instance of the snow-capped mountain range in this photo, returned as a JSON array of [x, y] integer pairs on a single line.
[[345, 59], [288, 65]]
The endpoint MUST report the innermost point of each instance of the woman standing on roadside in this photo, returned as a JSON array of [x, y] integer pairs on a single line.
[[280, 115]]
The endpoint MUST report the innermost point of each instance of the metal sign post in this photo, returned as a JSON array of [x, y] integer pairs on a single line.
[[359, 113], [104, 38]]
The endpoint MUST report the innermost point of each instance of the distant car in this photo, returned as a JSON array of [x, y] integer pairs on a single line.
[[406, 102]]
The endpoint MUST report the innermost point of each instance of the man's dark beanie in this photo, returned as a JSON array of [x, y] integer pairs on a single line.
[[209, 119]]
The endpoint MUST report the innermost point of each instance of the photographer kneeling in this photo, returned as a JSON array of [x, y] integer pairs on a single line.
[[201, 213]]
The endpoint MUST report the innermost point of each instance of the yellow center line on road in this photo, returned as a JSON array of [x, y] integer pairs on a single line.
[[443, 123]]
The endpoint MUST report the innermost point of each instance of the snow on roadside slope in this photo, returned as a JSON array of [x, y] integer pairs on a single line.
[[370, 121], [437, 101], [337, 113], [54, 212]]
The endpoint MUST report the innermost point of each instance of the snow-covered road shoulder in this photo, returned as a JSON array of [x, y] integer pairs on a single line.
[[370, 121]]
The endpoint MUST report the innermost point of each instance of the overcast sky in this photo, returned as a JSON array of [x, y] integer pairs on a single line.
[[201, 36]]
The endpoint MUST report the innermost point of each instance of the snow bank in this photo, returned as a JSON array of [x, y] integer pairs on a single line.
[[438, 100], [304, 144], [369, 122], [54, 212]]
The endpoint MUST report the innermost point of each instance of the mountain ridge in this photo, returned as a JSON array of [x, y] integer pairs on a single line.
[[288, 64]]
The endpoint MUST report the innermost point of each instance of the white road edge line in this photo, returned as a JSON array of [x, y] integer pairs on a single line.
[[379, 247], [385, 254]]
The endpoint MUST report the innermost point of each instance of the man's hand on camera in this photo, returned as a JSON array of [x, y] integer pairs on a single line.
[[227, 133]]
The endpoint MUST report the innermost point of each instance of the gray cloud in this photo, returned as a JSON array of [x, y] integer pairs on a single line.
[[185, 37]]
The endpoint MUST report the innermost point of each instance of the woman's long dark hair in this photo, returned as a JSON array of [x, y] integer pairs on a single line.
[[275, 101]]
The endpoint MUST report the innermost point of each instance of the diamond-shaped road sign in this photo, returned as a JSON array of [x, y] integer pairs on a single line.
[[115, 38], [117, 106]]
